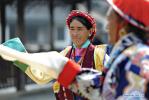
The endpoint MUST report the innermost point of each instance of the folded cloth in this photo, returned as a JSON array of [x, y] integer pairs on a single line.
[[40, 67]]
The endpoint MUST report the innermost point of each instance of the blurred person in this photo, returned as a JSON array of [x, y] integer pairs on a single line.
[[127, 72], [128, 28], [82, 29]]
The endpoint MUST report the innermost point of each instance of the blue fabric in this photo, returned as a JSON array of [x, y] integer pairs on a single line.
[[109, 49], [96, 81], [16, 44], [121, 77], [77, 58], [136, 69], [146, 57]]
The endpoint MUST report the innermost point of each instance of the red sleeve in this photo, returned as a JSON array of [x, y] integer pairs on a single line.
[[68, 74]]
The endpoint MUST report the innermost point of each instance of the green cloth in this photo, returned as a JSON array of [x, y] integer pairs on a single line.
[[16, 44]]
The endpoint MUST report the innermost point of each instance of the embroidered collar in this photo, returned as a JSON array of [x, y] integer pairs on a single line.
[[122, 44], [85, 45]]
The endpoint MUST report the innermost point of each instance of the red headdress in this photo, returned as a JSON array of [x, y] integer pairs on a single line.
[[86, 16], [135, 12]]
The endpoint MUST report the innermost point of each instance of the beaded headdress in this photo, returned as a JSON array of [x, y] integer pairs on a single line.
[[86, 16]]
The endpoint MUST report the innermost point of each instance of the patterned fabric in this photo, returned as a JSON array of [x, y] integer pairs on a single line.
[[127, 76], [93, 54], [123, 78], [87, 84], [77, 55]]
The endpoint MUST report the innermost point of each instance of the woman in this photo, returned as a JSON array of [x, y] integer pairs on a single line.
[[82, 29], [128, 30]]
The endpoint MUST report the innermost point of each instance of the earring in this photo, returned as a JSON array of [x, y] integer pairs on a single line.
[[122, 32]]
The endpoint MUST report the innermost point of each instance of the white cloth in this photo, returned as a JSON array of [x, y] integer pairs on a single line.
[[51, 62]]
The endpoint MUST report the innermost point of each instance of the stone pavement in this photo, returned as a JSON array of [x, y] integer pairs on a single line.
[[43, 93]]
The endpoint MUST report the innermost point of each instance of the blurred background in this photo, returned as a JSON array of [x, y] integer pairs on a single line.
[[40, 24]]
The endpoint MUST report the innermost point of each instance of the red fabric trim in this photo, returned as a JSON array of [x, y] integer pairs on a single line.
[[71, 69], [136, 13]]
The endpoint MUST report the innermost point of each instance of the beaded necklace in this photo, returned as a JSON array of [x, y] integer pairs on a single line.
[[80, 59]]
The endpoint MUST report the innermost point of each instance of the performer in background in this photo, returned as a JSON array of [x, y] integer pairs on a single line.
[[128, 28]]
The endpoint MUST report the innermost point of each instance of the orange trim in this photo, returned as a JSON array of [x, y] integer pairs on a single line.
[[71, 69]]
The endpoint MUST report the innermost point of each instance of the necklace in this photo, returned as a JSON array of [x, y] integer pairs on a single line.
[[78, 58]]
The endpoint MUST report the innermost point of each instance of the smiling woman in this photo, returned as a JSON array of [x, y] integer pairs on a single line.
[[79, 33], [82, 29]]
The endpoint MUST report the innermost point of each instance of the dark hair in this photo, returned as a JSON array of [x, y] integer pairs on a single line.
[[141, 34], [83, 20]]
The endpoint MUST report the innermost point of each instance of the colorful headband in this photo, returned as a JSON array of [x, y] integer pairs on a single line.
[[84, 15]]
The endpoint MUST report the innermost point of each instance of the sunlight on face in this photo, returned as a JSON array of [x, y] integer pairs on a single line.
[[78, 32], [112, 26]]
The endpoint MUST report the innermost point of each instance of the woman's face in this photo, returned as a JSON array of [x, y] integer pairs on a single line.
[[113, 26], [78, 32]]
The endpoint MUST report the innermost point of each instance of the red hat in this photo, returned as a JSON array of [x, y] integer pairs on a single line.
[[135, 12], [86, 16]]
